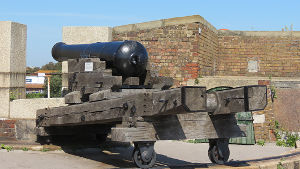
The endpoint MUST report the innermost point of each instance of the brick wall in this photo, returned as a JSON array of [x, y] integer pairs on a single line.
[[277, 53], [8, 129], [282, 108], [178, 49], [175, 47], [286, 108], [263, 131]]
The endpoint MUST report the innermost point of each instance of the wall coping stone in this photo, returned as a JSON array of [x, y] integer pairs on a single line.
[[26, 108], [259, 33], [251, 78], [164, 22]]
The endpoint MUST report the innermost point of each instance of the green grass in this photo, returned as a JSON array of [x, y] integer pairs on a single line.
[[25, 149], [260, 142], [45, 149], [7, 148]]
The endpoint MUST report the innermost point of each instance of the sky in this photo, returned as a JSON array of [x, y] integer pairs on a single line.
[[45, 19]]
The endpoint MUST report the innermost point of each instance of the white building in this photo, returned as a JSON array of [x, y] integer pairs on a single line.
[[35, 84]]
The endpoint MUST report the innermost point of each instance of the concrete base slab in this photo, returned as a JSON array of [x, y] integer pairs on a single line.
[[170, 154]]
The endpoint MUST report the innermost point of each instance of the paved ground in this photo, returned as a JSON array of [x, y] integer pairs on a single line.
[[170, 153]]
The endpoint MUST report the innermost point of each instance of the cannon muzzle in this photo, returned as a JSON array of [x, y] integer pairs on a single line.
[[129, 58]]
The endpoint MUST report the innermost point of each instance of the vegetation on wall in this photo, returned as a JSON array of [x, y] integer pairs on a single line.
[[14, 94], [283, 137], [35, 95]]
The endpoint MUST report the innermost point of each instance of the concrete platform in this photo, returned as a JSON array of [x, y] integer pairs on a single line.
[[170, 154]]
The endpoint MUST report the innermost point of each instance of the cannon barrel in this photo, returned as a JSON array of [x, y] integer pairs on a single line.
[[129, 58]]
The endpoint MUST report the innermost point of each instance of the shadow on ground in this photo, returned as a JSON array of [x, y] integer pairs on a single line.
[[118, 155]]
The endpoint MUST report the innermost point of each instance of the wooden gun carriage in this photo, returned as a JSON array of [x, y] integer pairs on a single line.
[[143, 108]]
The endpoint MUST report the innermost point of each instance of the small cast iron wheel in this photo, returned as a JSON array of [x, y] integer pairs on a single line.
[[217, 156], [137, 158]]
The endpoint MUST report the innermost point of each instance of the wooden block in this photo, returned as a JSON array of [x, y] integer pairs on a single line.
[[85, 64], [98, 96], [131, 81], [194, 98], [257, 97], [92, 82], [99, 112], [161, 102], [123, 134], [241, 99], [73, 97], [159, 82]]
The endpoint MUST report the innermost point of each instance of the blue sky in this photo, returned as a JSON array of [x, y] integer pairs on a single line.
[[45, 19]]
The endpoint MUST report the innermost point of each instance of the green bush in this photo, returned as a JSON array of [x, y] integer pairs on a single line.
[[35, 95], [7, 148], [284, 138], [261, 142]]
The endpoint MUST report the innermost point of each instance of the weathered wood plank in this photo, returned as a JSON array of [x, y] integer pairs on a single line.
[[159, 82], [182, 126], [248, 98], [88, 81], [160, 102], [111, 115], [73, 130], [131, 81], [257, 97], [98, 96], [123, 134], [194, 98], [157, 101], [73, 97]]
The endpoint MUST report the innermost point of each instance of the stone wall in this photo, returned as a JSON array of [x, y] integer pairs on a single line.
[[20, 125], [17, 129], [26, 108], [13, 63], [7, 129], [182, 48], [243, 53]]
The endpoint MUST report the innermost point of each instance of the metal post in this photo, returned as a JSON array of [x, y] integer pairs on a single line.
[[48, 86]]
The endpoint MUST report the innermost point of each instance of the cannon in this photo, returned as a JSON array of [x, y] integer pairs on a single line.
[[135, 105], [129, 58]]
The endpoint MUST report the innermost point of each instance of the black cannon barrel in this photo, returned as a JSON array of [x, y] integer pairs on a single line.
[[129, 58]]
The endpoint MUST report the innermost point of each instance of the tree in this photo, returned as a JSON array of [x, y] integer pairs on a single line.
[[55, 80], [52, 66], [32, 69], [55, 86]]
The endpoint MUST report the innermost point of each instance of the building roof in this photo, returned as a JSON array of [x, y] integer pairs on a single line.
[[34, 86], [46, 71]]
